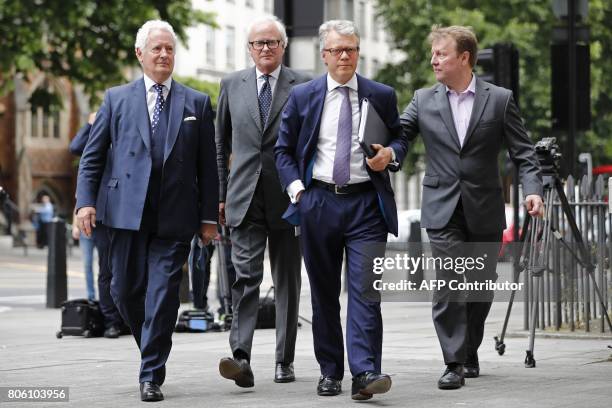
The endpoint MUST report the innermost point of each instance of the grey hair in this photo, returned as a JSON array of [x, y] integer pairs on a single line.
[[342, 27], [143, 32], [269, 19]]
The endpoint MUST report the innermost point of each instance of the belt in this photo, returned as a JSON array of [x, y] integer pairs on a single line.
[[348, 189]]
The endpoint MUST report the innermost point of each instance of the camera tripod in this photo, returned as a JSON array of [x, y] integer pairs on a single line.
[[536, 239]]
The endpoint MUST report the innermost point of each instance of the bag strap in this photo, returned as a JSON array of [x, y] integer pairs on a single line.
[[268, 293]]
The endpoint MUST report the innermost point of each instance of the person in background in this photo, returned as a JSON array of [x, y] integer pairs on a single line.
[[113, 323], [44, 215]]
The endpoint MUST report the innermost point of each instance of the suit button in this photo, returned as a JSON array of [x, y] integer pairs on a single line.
[[180, 160], [127, 175], [132, 154]]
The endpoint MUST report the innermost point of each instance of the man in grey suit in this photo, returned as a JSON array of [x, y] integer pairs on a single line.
[[464, 121], [252, 201]]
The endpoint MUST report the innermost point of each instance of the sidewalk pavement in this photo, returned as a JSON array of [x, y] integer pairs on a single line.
[[104, 372]]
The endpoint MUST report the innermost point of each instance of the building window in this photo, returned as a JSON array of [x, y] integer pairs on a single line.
[[210, 46], [56, 125], [230, 47], [375, 27], [339, 9], [248, 3], [362, 66], [268, 6], [34, 125], [375, 67], [361, 19]]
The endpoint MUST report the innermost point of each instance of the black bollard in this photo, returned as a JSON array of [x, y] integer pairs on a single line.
[[57, 282], [415, 250]]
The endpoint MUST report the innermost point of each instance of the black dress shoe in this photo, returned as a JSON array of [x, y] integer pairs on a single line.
[[328, 387], [471, 371], [150, 392], [368, 383], [452, 378], [284, 373], [237, 369], [112, 332]]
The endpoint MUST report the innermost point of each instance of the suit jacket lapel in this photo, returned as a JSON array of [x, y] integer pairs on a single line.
[[446, 113], [316, 101], [315, 104], [141, 112], [480, 100], [177, 105], [281, 93], [249, 93], [363, 90]]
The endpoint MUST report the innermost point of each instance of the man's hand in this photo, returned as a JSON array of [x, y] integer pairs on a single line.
[[382, 159], [222, 214], [86, 220], [208, 232], [534, 205]]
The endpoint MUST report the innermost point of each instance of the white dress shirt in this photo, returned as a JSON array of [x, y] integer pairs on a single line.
[[273, 79], [461, 104], [152, 93]]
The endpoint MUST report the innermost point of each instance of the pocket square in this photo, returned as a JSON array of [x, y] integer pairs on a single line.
[[190, 118]]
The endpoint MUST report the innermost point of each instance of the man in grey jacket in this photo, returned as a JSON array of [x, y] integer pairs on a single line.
[[464, 121], [252, 201]]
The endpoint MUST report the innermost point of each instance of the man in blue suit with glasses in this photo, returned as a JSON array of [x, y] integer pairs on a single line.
[[343, 203]]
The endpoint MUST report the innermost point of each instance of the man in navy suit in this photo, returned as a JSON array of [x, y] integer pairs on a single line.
[[342, 203], [160, 186]]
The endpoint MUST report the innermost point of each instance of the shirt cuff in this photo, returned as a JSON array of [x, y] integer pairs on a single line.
[[293, 189], [208, 222], [393, 162]]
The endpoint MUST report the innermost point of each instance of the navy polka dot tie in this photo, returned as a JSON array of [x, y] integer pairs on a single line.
[[159, 105], [265, 100]]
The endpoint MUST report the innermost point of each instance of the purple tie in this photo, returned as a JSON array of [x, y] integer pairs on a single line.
[[342, 158]]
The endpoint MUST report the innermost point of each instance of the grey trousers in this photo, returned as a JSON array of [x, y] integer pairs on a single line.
[[248, 246]]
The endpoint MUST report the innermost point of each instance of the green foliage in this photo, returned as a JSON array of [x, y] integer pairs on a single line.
[[209, 88], [91, 42], [526, 23]]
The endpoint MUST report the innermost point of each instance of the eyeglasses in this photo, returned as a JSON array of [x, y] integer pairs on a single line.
[[259, 45], [336, 52]]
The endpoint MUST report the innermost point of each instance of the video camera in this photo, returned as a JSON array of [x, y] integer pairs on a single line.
[[549, 155]]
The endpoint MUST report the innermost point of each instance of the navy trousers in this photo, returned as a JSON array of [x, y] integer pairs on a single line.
[[332, 225], [147, 273]]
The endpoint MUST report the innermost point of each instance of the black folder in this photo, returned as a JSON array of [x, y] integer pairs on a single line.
[[372, 130]]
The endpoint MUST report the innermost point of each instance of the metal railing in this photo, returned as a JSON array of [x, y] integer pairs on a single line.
[[567, 298]]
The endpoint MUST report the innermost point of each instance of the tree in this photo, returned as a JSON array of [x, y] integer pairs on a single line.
[[91, 42], [526, 23]]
